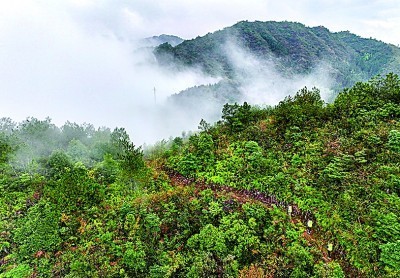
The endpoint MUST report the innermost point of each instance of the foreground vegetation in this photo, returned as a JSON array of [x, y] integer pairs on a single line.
[[303, 189]]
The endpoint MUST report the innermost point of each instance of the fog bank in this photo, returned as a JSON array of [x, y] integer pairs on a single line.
[[80, 62], [53, 65]]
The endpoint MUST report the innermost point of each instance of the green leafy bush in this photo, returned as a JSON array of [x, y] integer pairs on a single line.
[[38, 231]]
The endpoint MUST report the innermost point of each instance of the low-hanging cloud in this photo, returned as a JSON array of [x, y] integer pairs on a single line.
[[53, 66], [262, 83], [77, 60], [257, 80]]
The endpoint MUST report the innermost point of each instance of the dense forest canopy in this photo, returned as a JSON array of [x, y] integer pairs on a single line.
[[301, 189], [293, 48]]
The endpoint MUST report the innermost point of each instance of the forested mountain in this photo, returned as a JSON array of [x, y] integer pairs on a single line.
[[301, 189], [155, 41], [291, 48]]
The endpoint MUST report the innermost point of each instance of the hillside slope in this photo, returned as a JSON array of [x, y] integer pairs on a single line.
[[293, 47], [339, 161], [303, 189]]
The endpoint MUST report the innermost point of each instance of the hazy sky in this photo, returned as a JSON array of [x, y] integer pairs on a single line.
[[74, 59], [188, 18]]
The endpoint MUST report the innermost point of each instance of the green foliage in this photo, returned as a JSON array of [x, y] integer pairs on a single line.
[[328, 270], [5, 148], [134, 257], [236, 116], [130, 157], [38, 231], [90, 207], [304, 109], [107, 170], [40, 139], [390, 255], [302, 260], [20, 271], [74, 132], [339, 161], [377, 94], [76, 187], [387, 227], [58, 163], [394, 141], [210, 239], [78, 152], [199, 155]]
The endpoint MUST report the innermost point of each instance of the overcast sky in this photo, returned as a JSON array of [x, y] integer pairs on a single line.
[[72, 59], [189, 18]]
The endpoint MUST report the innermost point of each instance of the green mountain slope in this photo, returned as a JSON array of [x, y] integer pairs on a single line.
[[338, 161], [302, 189], [295, 48]]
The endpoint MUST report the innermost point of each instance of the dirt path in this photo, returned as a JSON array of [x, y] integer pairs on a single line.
[[244, 195], [313, 235]]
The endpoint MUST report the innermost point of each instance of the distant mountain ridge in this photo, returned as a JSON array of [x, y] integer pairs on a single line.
[[155, 41], [297, 48]]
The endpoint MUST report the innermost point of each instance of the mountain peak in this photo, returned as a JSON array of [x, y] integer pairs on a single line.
[[155, 41], [299, 49]]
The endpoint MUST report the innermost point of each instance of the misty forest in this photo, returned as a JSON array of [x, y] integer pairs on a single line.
[[291, 170]]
